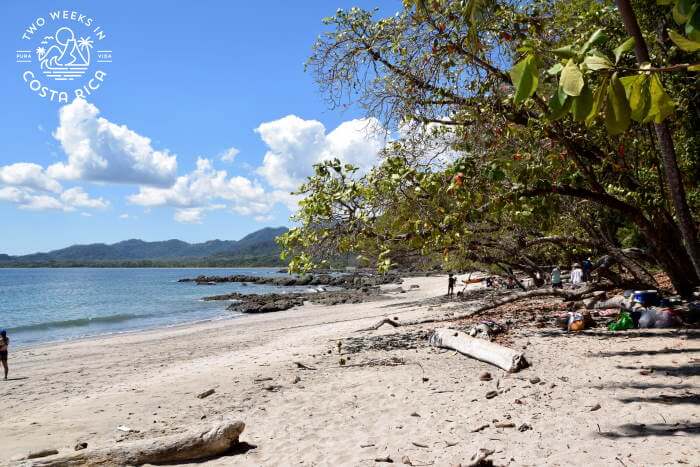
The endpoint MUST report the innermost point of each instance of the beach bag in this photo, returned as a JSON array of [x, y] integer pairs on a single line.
[[623, 322]]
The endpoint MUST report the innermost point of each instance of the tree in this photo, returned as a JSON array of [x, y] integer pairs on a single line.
[[581, 156]]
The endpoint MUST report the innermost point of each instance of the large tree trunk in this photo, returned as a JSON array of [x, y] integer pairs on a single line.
[[481, 349], [195, 444], [674, 180]]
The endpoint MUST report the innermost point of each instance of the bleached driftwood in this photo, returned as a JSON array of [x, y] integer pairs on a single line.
[[481, 349], [198, 443]]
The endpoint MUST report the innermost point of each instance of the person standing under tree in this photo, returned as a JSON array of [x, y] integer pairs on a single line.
[[4, 343], [556, 278], [451, 281]]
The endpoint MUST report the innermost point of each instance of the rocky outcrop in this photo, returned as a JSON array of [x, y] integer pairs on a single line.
[[339, 280], [252, 303]]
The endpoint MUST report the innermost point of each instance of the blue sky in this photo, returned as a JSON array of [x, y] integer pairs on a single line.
[[141, 157]]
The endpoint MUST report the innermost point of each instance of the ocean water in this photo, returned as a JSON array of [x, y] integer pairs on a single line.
[[45, 305]]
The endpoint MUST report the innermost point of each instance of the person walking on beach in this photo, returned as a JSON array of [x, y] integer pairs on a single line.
[[4, 343], [587, 267], [556, 278], [451, 281], [576, 275]]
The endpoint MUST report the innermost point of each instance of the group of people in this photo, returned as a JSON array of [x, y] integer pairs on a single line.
[[579, 273]]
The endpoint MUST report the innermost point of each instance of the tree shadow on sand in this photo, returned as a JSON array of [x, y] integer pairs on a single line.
[[679, 371], [642, 352], [633, 430]]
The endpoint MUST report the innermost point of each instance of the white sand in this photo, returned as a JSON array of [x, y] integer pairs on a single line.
[[148, 381]]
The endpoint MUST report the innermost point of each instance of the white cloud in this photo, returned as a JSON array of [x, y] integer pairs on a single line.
[[28, 175], [229, 155], [189, 215], [99, 150], [69, 200], [197, 191], [77, 198], [295, 145], [124, 216]]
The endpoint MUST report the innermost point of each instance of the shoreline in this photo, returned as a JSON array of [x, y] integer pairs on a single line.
[[394, 395]]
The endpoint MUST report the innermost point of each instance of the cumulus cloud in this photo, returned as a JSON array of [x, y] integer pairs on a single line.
[[295, 144], [77, 198], [197, 192], [69, 200], [99, 150], [229, 155], [28, 175]]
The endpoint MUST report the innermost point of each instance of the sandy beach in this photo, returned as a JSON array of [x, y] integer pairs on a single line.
[[594, 398]]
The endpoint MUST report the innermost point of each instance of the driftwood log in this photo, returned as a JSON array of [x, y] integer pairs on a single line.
[[481, 349], [200, 443], [565, 294]]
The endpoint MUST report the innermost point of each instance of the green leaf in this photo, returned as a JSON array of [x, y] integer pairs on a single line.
[[639, 98], [661, 105], [598, 100], [559, 105], [524, 76], [683, 43], [565, 52], [555, 69], [596, 62], [617, 109], [596, 38], [682, 10], [692, 27], [571, 79], [623, 48], [582, 105]]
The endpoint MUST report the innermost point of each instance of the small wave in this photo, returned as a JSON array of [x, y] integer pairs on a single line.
[[75, 323]]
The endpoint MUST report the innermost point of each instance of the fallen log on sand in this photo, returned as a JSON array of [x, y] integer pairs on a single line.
[[198, 443], [567, 295], [481, 349]]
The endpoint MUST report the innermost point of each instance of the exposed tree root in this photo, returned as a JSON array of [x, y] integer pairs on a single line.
[[567, 295]]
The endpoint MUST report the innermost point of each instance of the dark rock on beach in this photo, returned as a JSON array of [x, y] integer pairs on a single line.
[[252, 303]]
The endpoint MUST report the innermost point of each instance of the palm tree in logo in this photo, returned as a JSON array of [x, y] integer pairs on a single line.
[[84, 45]]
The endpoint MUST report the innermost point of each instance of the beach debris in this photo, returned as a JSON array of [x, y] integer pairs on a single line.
[[491, 394], [262, 380], [296, 379], [386, 459], [126, 429], [504, 425], [481, 458], [80, 445], [595, 407], [197, 443], [307, 367], [42, 453], [405, 460], [205, 394], [367, 445], [419, 445], [485, 376], [415, 414], [489, 352], [272, 388], [479, 428], [535, 380], [524, 427], [449, 444]]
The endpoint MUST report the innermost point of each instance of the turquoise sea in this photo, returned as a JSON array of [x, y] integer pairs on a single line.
[[44, 305]]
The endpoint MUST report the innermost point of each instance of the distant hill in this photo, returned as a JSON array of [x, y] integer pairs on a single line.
[[255, 249]]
